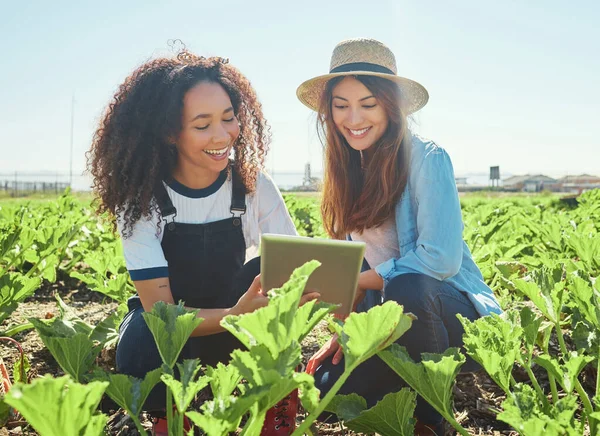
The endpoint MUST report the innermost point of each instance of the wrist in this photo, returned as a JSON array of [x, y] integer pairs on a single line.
[[232, 311]]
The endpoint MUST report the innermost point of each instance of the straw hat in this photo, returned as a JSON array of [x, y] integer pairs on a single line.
[[364, 57]]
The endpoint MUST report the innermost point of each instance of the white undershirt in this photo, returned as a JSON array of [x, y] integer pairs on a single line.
[[382, 242], [265, 213]]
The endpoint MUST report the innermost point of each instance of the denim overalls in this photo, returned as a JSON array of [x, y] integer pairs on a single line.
[[207, 271]]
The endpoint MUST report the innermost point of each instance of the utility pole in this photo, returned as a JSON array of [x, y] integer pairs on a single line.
[[71, 153]]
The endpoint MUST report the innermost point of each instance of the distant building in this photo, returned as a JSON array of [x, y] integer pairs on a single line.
[[530, 183], [579, 184]]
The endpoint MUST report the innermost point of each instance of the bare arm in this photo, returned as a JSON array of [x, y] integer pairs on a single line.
[[154, 290], [370, 280]]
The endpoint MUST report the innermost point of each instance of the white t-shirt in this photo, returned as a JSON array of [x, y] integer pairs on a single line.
[[265, 213], [382, 242]]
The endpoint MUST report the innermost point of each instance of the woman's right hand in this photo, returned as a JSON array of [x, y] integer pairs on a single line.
[[330, 347], [254, 298]]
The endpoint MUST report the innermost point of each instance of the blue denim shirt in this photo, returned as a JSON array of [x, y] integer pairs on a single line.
[[429, 225]]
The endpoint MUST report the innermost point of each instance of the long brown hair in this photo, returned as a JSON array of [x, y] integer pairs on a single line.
[[355, 198], [131, 152]]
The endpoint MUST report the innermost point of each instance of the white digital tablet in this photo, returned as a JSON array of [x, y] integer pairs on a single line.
[[337, 277]]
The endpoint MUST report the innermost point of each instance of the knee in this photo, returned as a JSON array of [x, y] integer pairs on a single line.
[[413, 290], [137, 353]]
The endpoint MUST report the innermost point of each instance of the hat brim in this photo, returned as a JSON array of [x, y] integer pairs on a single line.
[[414, 95]]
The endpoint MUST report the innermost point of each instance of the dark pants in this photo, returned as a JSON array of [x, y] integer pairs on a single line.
[[435, 304], [137, 353]]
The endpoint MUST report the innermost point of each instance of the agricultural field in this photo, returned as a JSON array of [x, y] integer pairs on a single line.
[[63, 288]]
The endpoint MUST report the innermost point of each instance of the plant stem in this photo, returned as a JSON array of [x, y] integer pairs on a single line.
[[585, 399], [254, 424], [587, 404], [169, 408], [23, 375], [598, 375], [324, 402], [457, 426], [17, 329], [138, 424], [537, 387], [553, 388]]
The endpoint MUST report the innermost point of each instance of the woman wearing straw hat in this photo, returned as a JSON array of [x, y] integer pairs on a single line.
[[395, 191]]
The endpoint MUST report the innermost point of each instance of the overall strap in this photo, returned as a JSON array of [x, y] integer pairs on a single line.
[[165, 205], [238, 195]]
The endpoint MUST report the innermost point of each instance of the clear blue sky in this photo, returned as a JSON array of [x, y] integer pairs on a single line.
[[511, 83]]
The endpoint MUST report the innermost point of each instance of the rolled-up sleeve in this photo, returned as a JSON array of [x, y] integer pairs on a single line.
[[439, 244]]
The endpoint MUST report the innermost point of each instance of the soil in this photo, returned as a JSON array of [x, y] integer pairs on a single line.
[[476, 396]]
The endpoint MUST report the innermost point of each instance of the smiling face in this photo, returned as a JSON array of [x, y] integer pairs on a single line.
[[357, 114], [209, 130]]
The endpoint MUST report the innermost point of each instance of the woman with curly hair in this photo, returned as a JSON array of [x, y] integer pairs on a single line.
[[395, 191], [178, 161]]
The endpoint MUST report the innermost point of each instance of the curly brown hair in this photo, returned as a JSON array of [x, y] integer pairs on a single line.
[[131, 152]]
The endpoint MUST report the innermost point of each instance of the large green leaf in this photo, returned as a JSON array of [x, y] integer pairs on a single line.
[[60, 407], [171, 325], [184, 391], [432, 378], [74, 352], [130, 393], [223, 379], [566, 374], [221, 416], [494, 343], [522, 411], [587, 300], [385, 324], [392, 416], [545, 289], [274, 325], [14, 288]]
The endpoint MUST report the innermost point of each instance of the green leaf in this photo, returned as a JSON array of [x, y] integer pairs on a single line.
[[130, 393], [47, 267], [385, 324], [347, 407], [545, 289], [585, 337], [273, 325], [185, 390], [567, 373], [531, 324], [392, 416], [432, 378], [223, 379], [20, 371], [510, 269], [494, 343], [14, 288], [171, 325], [212, 425], [586, 299], [74, 352], [70, 320], [270, 379], [106, 331], [69, 409], [219, 417], [522, 411]]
